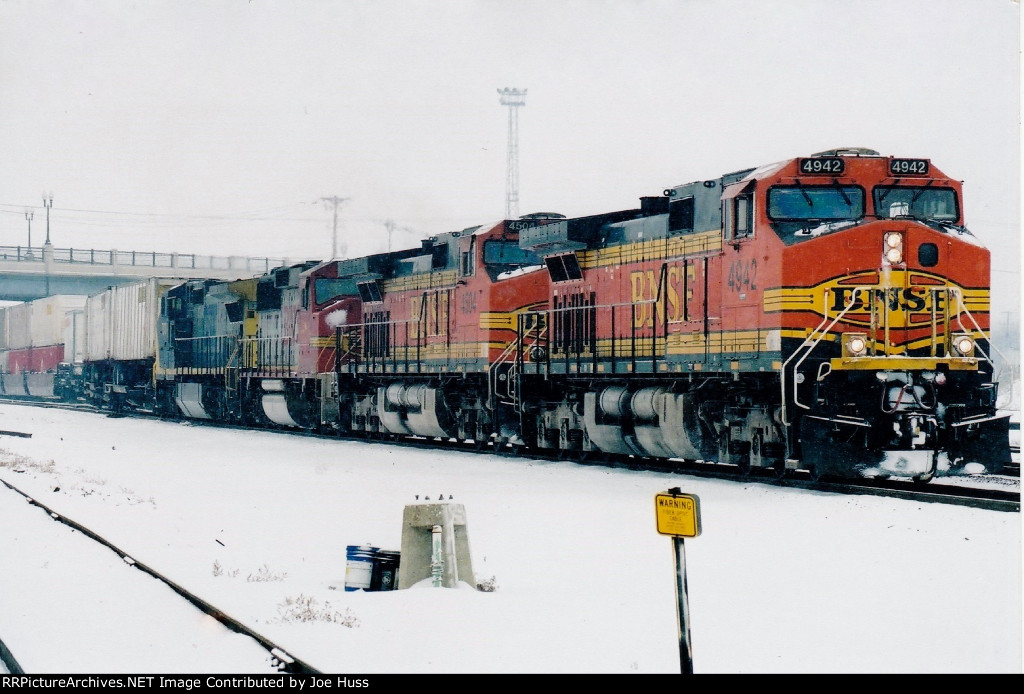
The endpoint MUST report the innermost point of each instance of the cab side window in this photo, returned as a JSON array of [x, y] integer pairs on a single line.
[[737, 217], [744, 210]]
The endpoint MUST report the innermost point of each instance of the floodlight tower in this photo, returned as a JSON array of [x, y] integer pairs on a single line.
[[513, 98]]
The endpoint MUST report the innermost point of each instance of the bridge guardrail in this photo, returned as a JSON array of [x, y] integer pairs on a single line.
[[153, 259]]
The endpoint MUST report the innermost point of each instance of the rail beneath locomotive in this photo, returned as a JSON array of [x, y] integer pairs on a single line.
[[1004, 497]]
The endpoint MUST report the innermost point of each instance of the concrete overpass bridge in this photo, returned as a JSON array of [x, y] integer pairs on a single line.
[[28, 273]]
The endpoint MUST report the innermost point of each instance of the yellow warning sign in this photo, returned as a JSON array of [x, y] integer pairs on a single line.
[[678, 514]]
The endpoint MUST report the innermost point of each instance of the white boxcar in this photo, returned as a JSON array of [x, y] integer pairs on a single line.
[[121, 323], [48, 318]]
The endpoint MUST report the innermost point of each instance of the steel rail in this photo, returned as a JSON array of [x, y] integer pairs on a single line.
[[285, 661]]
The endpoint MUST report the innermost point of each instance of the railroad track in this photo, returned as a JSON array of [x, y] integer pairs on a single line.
[[933, 492], [284, 661]]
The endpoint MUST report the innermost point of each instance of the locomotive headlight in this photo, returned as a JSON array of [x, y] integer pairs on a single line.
[[855, 344], [892, 247], [963, 345]]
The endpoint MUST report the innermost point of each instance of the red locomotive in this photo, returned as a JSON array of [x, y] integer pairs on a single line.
[[827, 313]]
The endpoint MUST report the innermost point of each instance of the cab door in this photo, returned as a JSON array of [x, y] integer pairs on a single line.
[[741, 294]]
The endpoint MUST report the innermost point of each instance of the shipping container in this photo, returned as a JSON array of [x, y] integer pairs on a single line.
[[48, 317], [19, 329], [74, 336], [38, 323], [121, 322], [34, 359], [3, 328]]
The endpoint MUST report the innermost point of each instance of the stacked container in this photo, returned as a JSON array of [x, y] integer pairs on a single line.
[[33, 343], [121, 322]]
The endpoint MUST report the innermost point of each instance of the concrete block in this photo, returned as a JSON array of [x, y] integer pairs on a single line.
[[418, 523]]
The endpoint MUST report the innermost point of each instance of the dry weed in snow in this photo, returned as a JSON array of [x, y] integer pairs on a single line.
[[306, 609], [264, 575], [21, 463], [218, 570]]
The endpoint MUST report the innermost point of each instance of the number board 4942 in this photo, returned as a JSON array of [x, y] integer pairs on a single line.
[[822, 166], [908, 167]]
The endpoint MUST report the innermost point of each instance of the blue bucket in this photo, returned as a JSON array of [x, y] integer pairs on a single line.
[[359, 566]]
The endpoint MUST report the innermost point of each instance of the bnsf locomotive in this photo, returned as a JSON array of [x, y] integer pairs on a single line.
[[828, 313]]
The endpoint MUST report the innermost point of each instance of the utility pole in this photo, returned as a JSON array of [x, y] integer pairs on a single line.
[[29, 215], [336, 202], [392, 226], [513, 98], [48, 204]]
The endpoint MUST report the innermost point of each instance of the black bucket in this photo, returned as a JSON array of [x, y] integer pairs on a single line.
[[385, 570]]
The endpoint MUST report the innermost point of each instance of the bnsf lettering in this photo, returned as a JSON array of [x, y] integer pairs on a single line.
[[912, 299], [644, 288]]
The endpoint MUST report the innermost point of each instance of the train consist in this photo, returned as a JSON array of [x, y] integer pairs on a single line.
[[827, 313]]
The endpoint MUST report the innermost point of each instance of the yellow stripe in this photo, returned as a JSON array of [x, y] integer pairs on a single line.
[[657, 249], [424, 280], [903, 363]]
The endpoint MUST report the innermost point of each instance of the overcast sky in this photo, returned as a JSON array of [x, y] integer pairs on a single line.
[[218, 126]]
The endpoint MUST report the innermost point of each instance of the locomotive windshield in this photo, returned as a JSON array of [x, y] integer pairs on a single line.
[[327, 288], [508, 253], [820, 203], [921, 202]]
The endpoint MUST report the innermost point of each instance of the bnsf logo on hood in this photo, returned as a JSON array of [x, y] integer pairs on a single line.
[[912, 299], [899, 297]]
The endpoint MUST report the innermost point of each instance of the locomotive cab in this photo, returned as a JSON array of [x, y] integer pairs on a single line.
[[884, 307]]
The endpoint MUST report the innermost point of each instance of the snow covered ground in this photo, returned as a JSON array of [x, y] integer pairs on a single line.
[[256, 523]]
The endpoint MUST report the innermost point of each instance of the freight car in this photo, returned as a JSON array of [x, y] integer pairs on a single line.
[[827, 313], [36, 339]]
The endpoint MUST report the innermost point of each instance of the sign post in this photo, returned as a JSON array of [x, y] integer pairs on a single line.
[[678, 515]]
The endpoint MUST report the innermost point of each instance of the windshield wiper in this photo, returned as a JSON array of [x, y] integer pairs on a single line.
[[885, 194], [917, 193], [799, 186], [846, 198]]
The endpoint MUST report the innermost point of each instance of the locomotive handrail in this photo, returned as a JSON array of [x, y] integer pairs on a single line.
[[515, 346], [208, 350], [811, 345], [963, 308], [819, 333], [633, 355], [282, 354], [357, 349]]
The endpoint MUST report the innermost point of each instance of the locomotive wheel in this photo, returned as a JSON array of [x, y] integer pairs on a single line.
[[927, 476], [779, 469]]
